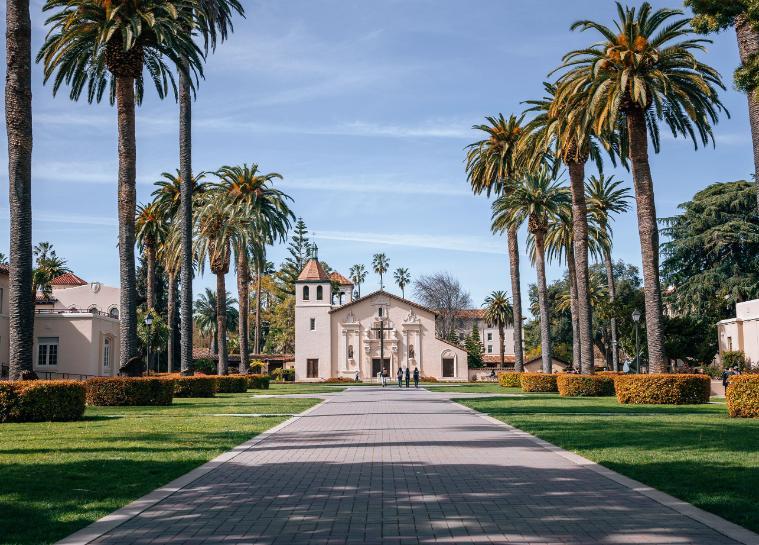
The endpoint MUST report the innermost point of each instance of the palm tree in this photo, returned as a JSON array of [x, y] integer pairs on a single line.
[[605, 197], [491, 165], [168, 192], [169, 255], [3, 259], [499, 313], [213, 20], [536, 198], [358, 276], [206, 318], [403, 279], [49, 266], [381, 264], [18, 124], [270, 220], [640, 74], [98, 47], [150, 230]]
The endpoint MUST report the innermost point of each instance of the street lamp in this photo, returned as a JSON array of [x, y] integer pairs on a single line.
[[636, 319], [149, 323]]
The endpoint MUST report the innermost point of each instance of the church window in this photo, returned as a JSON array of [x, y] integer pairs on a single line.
[[305, 293], [490, 349], [379, 310], [312, 324], [490, 336], [319, 293]]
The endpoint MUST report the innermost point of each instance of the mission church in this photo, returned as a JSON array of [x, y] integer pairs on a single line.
[[338, 336]]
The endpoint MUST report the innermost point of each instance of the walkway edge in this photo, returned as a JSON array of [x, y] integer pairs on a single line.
[[717, 523], [104, 525]]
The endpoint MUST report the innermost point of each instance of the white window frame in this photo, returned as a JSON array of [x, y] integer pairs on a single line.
[[490, 349], [47, 343], [107, 352]]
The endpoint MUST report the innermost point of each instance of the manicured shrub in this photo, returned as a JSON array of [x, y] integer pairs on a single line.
[[338, 380], [743, 396], [259, 382], [427, 379], [663, 389], [538, 382], [509, 380], [41, 401], [585, 385], [232, 384], [127, 391], [610, 373], [279, 374], [195, 386]]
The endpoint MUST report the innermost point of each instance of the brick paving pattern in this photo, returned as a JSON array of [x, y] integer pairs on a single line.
[[397, 467]]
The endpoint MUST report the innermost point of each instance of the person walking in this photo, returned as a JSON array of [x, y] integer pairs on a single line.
[[408, 375], [356, 376], [416, 377], [400, 377], [385, 374]]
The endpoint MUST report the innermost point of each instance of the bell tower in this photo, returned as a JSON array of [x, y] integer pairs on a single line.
[[313, 331]]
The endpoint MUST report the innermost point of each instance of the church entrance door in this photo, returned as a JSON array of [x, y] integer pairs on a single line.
[[377, 365]]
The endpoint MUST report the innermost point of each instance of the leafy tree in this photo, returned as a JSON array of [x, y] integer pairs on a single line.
[[444, 294], [380, 264], [205, 315], [473, 347], [498, 313], [156, 335], [281, 336]]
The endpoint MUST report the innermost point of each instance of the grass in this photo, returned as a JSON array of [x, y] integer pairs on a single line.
[[693, 452], [56, 478]]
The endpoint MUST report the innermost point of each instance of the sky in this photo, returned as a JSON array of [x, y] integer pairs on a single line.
[[365, 108]]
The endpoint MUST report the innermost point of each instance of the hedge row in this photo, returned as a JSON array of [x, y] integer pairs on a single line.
[[259, 382], [663, 389], [743, 396], [232, 384], [41, 401], [538, 382], [195, 386], [122, 391], [584, 385], [509, 380]]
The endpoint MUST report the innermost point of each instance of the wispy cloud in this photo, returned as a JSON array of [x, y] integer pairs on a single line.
[[67, 218], [378, 185], [468, 244], [82, 172]]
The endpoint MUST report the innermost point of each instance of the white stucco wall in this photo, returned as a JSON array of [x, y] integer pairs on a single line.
[[312, 344], [103, 298]]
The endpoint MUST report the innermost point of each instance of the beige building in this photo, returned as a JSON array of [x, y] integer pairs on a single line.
[[489, 337], [742, 332], [337, 336]]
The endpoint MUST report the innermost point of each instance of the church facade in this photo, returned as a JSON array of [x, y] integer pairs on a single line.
[[337, 336]]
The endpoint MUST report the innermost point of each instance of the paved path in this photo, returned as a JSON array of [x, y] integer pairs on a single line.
[[389, 466]]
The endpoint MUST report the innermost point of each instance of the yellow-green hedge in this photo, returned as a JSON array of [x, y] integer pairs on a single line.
[[538, 382], [232, 384], [585, 385], [129, 391], [259, 382], [195, 386], [509, 380], [743, 396], [41, 401], [663, 389]]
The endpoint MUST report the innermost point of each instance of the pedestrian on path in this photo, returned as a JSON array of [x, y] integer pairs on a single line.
[[408, 375], [385, 374], [416, 377], [400, 377]]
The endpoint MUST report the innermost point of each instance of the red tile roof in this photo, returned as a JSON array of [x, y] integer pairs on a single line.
[[471, 313], [68, 279], [494, 358], [340, 279], [313, 271]]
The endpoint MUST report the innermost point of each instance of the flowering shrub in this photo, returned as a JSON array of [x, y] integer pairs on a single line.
[[256, 367], [610, 373], [743, 396], [280, 374], [509, 380], [538, 382], [585, 385], [663, 389], [41, 401], [124, 391], [336, 380], [259, 382], [232, 384], [195, 386]]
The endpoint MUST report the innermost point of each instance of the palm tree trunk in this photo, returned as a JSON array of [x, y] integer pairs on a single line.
[[359, 290], [576, 351], [502, 344], [243, 296], [221, 323], [171, 318], [748, 46], [580, 236], [185, 175], [127, 204], [259, 274], [18, 121], [150, 279], [613, 322], [516, 295], [649, 238], [545, 325]]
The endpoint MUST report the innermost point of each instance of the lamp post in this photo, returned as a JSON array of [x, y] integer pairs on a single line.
[[636, 319], [149, 323]]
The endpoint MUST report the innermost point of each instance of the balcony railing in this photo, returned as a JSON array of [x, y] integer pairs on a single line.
[[77, 311]]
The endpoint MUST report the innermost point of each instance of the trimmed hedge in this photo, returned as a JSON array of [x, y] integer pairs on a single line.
[[610, 373], [509, 380], [41, 401], [129, 391], [663, 389], [195, 386], [232, 384], [259, 382], [538, 382], [743, 396], [570, 385]]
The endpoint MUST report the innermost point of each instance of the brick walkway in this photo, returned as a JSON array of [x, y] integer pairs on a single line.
[[389, 466]]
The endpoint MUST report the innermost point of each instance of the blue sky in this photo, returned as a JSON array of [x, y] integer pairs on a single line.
[[364, 108]]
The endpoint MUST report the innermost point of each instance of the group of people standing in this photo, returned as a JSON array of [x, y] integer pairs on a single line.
[[405, 373]]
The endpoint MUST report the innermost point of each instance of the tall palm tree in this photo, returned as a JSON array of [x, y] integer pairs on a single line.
[[168, 192], [205, 315], [499, 313], [403, 279], [642, 73], [103, 46], [381, 264], [18, 124], [491, 165], [150, 230], [535, 198], [270, 220], [213, 20], [169, 255], [605, 197], [358, 276]]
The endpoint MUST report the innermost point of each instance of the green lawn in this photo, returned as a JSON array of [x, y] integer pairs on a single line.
[[56, 478], [693, 452]]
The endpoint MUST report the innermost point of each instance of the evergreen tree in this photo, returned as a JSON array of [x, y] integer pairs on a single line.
[[299, 248], [473, 347]]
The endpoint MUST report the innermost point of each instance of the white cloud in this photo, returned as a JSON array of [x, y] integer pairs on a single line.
[[470, 244], [377, 185], [67, 218]]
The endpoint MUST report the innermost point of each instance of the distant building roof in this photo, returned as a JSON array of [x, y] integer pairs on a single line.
[[340, 279], [494, 358], [313, 271], [471, 313], [68, 279]]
